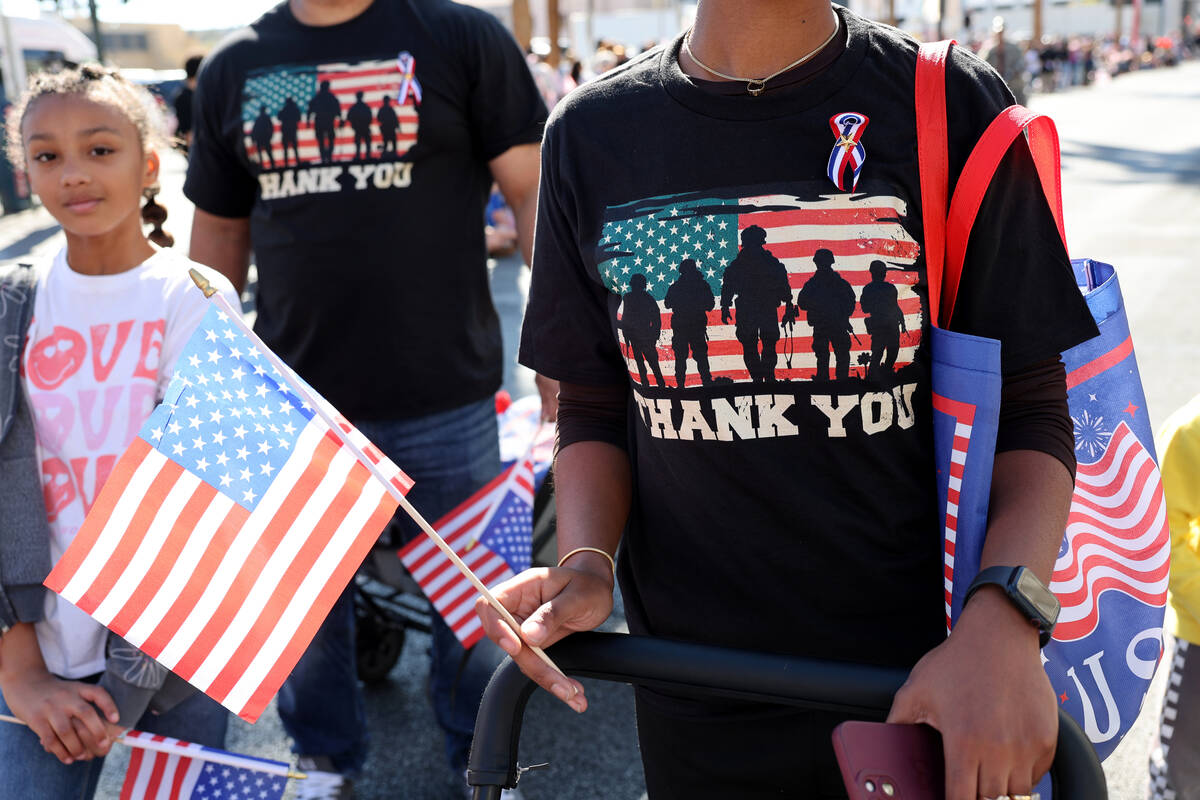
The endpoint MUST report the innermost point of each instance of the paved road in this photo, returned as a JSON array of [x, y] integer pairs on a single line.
[[1132, 187]]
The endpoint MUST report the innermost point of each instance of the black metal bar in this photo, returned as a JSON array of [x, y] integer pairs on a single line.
[[707, 670]]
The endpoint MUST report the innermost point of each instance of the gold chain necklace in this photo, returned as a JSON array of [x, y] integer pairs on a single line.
[[755, 86]]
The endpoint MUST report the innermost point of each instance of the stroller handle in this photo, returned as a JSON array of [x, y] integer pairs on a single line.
[[723, 672]]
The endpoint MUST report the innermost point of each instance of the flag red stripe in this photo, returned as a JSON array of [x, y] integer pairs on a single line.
[[414, 563], [131, 773], [351, 74], [325, 599], [154, 497], [258, 557], [156, 575], [206, 566], [472, 558], [864, 215], [1128, 492], [181, 770], [878, 248], [156, 773], [289, 583], [1100, 364], [93, 525]]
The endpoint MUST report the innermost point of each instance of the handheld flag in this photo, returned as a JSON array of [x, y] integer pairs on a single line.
[[162, 768], [231, 524], [492, 531]]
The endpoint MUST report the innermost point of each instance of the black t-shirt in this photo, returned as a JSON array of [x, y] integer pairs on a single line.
[[784, 496], [372, 278]]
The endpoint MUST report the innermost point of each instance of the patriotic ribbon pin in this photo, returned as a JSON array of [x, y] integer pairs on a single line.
[[408, 79], [848, 154]]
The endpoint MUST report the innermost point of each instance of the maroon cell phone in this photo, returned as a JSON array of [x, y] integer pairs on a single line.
[[881, 761]]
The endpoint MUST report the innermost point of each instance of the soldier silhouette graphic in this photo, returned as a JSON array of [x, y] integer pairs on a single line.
[[289, 125], [829, 300], [690, 298], [324, 112], [641, 323], [756, 284], [885, 320], [359, 116], [389, 123], [261, 133]]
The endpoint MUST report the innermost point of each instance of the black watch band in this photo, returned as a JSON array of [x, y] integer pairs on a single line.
[[1026, 592]]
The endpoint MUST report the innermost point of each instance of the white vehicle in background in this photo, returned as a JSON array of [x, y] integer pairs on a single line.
[[28, 45], [31, 44]]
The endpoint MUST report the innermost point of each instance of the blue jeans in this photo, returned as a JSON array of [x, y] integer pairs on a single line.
[[26, 770], [449, 455]]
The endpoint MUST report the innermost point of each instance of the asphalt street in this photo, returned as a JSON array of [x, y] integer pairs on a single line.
[[1132, 197]]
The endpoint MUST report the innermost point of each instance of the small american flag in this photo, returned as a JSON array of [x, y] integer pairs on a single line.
[[160, 775], [492, 532], [230, 525]]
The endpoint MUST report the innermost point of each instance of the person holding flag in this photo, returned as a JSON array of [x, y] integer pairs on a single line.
[[798, 514], [95, 334]]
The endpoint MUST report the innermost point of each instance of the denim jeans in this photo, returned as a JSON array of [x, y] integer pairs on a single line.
[[448, 455], [26, 770]]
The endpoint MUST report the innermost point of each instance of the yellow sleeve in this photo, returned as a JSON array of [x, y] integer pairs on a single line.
[[1180, 466]]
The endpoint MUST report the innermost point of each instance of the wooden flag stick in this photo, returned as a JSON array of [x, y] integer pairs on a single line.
[[229, 759], [285, 372]]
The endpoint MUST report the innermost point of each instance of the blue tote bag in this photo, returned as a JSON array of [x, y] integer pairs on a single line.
[[1112, 567]]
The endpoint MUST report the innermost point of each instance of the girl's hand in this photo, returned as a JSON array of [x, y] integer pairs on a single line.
[[64, 715], [549, 604]]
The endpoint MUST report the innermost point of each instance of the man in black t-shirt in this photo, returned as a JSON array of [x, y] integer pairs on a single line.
[[372, 268], [785, 509], [183, 103]]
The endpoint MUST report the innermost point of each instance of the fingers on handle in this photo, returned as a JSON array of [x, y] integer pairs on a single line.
[[565, 689]]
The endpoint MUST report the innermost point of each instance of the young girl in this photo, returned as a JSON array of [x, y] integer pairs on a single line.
[[95, 334]]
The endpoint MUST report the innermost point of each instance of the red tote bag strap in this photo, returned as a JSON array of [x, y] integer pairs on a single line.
[[1042, 137], [933, 161]]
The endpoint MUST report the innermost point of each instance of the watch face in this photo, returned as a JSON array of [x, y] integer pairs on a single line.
[[1042, 598]]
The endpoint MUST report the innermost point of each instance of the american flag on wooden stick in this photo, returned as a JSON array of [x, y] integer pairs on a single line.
[[162, 768], [492, 531], [231, 524]]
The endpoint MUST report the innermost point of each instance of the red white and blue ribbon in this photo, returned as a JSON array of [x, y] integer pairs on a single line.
[[408, 79], [848, 154]]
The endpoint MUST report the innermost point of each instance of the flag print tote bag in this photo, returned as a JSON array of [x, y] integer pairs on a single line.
[[1111, 571]]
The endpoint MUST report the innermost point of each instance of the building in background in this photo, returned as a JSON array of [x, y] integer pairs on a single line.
[[144, 46]]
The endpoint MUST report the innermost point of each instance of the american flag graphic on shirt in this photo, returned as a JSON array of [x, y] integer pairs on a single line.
[[282, 100], [652, 237]]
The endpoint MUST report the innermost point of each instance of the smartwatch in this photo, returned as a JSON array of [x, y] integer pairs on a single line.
[[1025, 591]]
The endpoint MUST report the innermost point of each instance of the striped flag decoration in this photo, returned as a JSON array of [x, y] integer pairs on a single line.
[[231, 524], [492, 532], [652, 237], [1117, 535], [162, 768]]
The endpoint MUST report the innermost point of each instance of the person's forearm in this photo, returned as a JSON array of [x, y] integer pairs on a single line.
[[222, 243], [20, 653], [525, 213], [1030, 500], [592, 491]]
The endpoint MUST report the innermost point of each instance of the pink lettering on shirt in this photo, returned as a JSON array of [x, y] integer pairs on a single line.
[[152, 342], [99, 336], [57, 487], [56, 357]]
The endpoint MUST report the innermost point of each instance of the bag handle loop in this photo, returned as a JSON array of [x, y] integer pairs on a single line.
[[947, 232], [933, 161]]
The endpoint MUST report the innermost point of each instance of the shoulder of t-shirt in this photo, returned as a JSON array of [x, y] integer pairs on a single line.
[[601, 95], [973, 87], [173, 269], [241, 41], [458, 24]]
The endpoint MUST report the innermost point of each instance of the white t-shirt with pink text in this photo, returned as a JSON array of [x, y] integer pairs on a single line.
[[98, 356]]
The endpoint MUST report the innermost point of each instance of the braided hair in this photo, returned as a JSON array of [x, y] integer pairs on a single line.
[[103, 85]]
